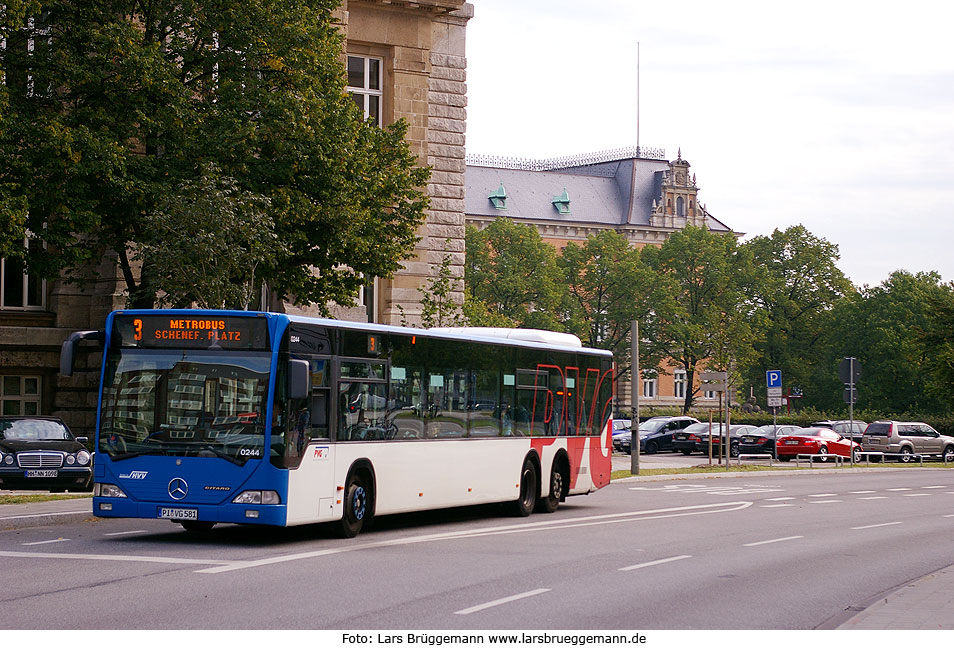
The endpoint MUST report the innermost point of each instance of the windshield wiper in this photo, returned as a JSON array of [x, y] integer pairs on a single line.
[[220, 454]]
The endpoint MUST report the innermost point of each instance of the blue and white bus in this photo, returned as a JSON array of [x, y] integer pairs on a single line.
[[209, 416]]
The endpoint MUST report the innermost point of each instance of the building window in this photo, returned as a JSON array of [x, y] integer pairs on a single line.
[[365, 83], [19, 290], [680, 207], [709, 394], [679, 384], [649, 388], [19, 395]]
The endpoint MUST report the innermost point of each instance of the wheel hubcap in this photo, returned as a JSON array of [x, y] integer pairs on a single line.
[[358, 501]]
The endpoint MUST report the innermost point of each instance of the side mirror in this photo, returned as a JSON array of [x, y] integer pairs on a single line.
[[299, 379], [82, 440], [68, 349]]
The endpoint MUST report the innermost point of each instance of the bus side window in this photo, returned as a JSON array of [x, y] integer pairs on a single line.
[[319, 414]]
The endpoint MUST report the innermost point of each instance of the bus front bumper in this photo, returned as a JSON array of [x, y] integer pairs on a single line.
[[118, 507]]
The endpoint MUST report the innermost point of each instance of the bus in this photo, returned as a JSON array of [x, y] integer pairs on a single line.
[[217, 416]]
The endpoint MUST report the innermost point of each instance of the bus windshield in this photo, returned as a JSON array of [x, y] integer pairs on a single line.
[[184, 403]]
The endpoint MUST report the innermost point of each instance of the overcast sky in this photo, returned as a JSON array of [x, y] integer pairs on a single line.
[[836, 115]]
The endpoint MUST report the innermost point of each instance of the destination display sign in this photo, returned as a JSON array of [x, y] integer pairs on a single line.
[[174, 331]]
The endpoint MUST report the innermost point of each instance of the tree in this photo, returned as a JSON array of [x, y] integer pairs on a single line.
[[211, 238], [884, 328], [438, 309], [607, 286], [512, 272], [706, 318], [112, 105], [797, 283], [935, 340]]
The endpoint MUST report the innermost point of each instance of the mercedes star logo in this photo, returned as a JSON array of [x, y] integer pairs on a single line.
[[178, 488]]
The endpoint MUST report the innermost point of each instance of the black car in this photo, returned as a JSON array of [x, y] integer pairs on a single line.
[[655, 434], [685, 439], [735, 433], [762, 440], [38, 453]]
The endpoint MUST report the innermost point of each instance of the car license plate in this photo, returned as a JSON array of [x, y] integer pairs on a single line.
[[41, 473], [791, 442], [178, 514]]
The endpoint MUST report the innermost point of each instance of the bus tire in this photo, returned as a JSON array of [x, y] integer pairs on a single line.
[[558, 483], [357, 506], [524, 505]]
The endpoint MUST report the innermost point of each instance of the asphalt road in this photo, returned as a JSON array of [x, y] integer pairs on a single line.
[[761, 552]]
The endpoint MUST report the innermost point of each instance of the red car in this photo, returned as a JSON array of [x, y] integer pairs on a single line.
[[816, 440]]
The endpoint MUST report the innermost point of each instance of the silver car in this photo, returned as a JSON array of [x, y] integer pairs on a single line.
[[907, 440]]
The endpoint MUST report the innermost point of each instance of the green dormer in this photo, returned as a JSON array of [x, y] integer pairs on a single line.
[[499, 198], [562, 203]]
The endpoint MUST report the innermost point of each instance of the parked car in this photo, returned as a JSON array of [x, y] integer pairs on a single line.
[[817, 440], [39, 453], [684, 440], [762, 440], [621, 430], [906, 439], [735, 433], [655, 434], [854, 427]]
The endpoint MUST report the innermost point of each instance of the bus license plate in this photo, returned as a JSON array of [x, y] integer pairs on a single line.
[[178, 514], [41, 473]]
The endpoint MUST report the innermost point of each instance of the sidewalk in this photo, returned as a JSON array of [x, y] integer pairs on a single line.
[[31, 514]]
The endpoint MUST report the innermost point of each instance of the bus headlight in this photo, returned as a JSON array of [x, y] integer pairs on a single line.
[[257, 497], [107, 490]]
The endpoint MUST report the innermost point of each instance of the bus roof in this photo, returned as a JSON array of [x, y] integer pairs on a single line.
[[521, 337]]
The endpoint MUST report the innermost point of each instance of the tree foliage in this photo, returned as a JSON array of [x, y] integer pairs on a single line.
[[884, 327], [511, 271], [797, 283], [607, 286], [212, 238], [124, 102], [704, 318]]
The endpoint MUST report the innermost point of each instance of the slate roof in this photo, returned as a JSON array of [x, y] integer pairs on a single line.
[[599, 193]]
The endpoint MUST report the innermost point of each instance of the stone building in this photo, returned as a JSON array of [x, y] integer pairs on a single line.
[[636, 192], [404, 60]]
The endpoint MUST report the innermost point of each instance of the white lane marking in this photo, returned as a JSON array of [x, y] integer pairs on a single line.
[[498, 602], [651, 563], [823, 495], [876, 497], [587, 521], [45, 542], [859, 492], [44, 515], [774, 506], [899, 489], [917, 494], [773, 540], [125, 533], [948, 516], [778, 499], [824, 501], [710, 489], [112, 558], [872, 526], [934, 487]]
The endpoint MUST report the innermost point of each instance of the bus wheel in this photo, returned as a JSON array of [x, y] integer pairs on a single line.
[[196, 526], [357, 501], [528, 490], [550, 503]]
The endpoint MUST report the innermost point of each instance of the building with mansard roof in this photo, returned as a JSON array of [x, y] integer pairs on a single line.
[[634, 191]]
